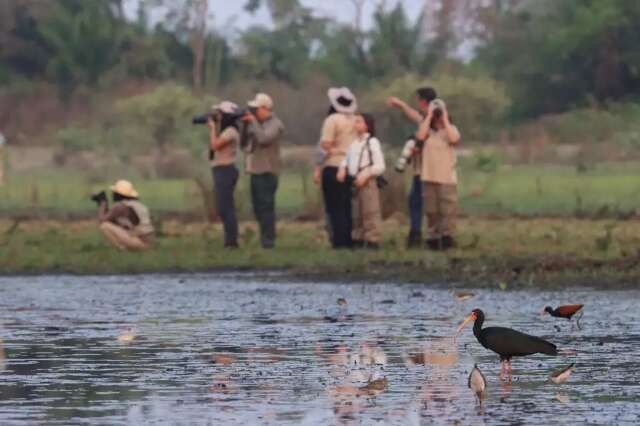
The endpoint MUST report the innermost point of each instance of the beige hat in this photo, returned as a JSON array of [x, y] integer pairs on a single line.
[[262, 100], [343, 100], [124, 188], [226, 107]]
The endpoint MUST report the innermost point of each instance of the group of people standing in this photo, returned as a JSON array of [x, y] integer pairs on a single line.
[[349, 166], [258, 133]]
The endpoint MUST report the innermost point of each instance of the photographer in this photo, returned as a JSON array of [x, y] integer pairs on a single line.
[[439, 177], [262, 146], [127, 224], [224, 146], [413, 154]]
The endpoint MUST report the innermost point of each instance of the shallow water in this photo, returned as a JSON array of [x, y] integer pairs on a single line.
[[224, 349]]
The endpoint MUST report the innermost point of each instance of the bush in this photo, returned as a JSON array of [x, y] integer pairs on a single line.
[[617, 123], [76, 139], [163, 117], [477, 105]]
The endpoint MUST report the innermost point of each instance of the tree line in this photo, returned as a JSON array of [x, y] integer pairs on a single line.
[[551, 56]]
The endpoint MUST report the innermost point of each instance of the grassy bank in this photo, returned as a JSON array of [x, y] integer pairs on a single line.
[[606, 191], [505, 253]]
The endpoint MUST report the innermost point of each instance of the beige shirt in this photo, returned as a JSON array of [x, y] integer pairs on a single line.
[[338, 128], [263, 147], [439, 159], [227, 154]]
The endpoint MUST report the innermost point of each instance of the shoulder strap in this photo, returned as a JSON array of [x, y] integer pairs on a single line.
[[360, 157], [369, 149]]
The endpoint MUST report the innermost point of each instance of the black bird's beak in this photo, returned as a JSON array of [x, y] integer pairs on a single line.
[[466, 321]]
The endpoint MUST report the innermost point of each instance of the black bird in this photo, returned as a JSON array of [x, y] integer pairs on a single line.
[[507, 342], [565, 311]]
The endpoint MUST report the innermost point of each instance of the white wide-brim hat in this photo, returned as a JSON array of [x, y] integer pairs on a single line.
[[226, 107], [125, 188], [343, 100]]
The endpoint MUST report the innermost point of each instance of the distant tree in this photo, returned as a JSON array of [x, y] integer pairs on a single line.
[[85, 40], [283, 53], [558, 55], [394, 42]]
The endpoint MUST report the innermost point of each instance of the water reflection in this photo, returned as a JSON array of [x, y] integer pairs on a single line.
[[233, 351]]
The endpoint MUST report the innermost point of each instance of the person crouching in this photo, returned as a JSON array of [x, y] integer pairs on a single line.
[[363, 165], [127, 224]]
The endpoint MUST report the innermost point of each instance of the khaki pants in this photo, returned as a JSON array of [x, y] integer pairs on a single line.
[[122, 238], [367, 218], [441, 205]]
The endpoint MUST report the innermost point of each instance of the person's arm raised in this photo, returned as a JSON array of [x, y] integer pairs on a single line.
[[425, 126], [410, 113], [453, 134]]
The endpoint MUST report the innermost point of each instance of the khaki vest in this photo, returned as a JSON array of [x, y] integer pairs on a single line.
[[145, 227]]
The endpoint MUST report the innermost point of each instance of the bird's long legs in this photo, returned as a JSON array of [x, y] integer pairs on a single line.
[[578, 319], [505, 367]]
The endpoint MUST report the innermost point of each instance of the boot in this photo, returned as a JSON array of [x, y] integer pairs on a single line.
[[414, 240], [448, 242], [371, 246], [357, 244], [434, 244]]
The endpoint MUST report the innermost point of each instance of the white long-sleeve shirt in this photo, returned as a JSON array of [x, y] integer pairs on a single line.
[[358, 161]]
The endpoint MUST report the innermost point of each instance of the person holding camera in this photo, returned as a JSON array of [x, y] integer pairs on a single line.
[[412, 154], [127, 224], [439, 177], [338, 133], [223, 152], [362, 168], [262, 146]]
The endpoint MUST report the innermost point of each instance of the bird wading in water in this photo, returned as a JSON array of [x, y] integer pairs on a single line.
[[506, 342], [477, 383], [565, 311], [561, 376]]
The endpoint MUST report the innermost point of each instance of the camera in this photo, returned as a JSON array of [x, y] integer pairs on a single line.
[[219, 116], [438, 107], [407, 153], [204, 118], [99, 197]]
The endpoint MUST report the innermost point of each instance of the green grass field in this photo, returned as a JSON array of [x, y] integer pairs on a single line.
[[609, 190], [492, 252]]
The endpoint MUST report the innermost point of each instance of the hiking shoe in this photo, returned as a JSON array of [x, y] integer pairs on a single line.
[[414, 240], [434, 244], [448, 242], [357, 244]]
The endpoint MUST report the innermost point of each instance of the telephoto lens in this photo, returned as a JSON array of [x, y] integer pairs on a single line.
[[405, 156]]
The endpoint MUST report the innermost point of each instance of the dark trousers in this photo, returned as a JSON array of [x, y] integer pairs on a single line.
[[263, 198], [337, 200], [415, 205], [225, 179]]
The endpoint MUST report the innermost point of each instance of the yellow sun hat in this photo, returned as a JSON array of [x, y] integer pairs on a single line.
[[125, 188]]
